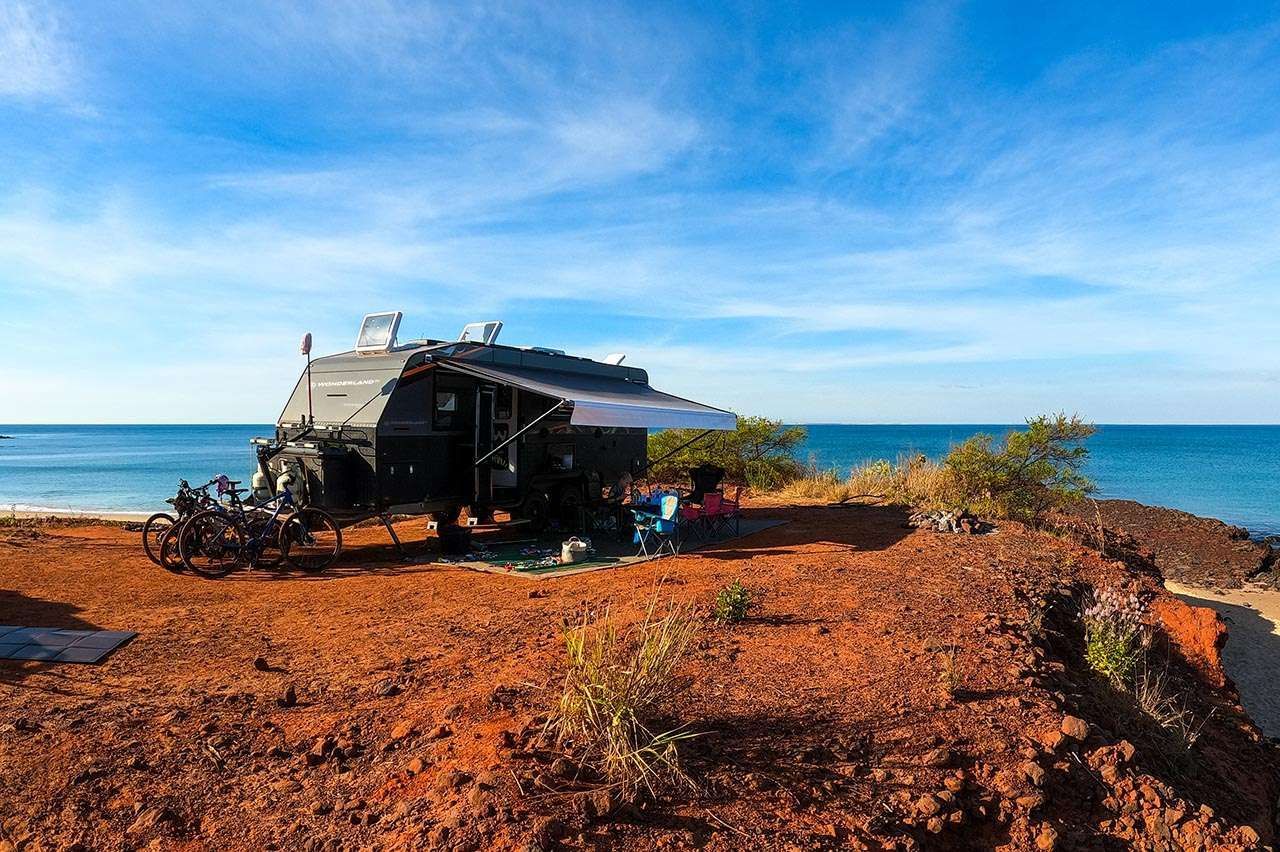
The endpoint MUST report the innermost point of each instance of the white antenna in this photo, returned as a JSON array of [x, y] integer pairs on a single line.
[[306, 350]]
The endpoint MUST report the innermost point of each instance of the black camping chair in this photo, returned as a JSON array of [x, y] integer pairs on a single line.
[[705, 478]]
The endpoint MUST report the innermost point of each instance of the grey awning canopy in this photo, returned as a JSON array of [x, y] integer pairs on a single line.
[[603, 400]]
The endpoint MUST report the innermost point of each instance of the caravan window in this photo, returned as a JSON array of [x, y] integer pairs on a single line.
[[561, 456], [445, 416]]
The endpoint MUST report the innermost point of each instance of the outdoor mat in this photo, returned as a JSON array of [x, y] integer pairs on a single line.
[[538, 559], [59, 645]]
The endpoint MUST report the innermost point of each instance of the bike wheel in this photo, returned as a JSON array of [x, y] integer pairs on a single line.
[[212, 544], [265, 547], [310, 540], [170, 558], [153, 529]]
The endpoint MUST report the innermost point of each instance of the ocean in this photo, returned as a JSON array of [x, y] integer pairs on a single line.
[[1227, 472]]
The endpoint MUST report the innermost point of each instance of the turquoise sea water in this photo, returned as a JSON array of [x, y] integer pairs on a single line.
[[1227, 472]]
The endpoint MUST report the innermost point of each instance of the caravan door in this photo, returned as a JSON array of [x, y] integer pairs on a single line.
[[484, 443], [505, 424]]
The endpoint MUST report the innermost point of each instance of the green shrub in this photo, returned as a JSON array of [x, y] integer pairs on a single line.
[[1027, 474], [732, 603], [1113, 635], [759, 453]]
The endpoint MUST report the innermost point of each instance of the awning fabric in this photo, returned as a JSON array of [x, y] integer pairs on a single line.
[[602, 400]]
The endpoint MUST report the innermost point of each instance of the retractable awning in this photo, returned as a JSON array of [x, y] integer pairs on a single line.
[[604, 400]]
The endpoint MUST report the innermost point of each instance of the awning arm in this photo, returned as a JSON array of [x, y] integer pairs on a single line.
[[695, 439], [534, 422]]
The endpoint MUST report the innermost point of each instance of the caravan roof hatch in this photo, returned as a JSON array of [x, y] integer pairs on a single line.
[[481, 332]]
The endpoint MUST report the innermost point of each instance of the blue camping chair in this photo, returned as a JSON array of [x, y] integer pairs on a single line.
[[659, 531]]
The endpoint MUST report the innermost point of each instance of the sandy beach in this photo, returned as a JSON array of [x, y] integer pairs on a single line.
[[77, 514], [1252, 654]]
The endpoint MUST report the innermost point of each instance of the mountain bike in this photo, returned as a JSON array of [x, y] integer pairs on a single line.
[[219, 540], [187, 502]]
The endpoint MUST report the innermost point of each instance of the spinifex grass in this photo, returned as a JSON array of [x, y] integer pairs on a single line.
[[616, 682], [912, 481]]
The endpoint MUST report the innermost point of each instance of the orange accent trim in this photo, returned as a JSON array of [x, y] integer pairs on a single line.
[[416, 370]]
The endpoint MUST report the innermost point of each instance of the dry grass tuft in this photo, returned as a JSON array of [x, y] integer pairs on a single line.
[[913, 480], [616, 682], [1156, 697], [950, 675]]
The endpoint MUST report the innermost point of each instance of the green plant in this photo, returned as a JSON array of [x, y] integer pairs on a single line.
[[732, 603], [1027, 474], [1113, 635], [758, 453], [616, 681]]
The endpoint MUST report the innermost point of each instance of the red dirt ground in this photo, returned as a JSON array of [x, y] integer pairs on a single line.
[[824, 723]]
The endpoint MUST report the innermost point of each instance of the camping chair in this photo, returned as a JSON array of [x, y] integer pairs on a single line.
[[726, 515], [693, 520], [705, 478], [608, 513], [660, 531]]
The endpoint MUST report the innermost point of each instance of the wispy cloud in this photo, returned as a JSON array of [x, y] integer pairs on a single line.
[[850, 221], [35, 62]]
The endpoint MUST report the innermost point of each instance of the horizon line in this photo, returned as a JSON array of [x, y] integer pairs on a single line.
[[784, 423]]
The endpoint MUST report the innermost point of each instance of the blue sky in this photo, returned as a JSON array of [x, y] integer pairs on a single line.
[[863, 213]]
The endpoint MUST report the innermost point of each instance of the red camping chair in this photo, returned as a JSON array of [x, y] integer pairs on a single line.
[[724, 515]]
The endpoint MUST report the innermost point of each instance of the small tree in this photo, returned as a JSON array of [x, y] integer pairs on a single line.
[[758, 453], [1030, 473]]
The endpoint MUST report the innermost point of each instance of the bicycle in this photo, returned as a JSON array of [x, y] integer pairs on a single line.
[[216, 541], [186, 502]]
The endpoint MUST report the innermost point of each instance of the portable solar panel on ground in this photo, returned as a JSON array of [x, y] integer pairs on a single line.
[[59, 645]]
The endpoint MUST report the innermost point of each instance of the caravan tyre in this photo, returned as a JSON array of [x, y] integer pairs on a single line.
[[535, 509], [153, 530]]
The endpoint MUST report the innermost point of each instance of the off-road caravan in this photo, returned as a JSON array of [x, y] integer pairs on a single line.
[[431, 426]]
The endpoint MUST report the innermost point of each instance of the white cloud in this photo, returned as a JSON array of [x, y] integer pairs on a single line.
[[34, 60], [754, 268]]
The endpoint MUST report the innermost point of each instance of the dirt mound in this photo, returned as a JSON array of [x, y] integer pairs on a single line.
[[399, 706]]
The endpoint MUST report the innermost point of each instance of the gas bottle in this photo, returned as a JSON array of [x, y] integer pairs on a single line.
[[258, 482]]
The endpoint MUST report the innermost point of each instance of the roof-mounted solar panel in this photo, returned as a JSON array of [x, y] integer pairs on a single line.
[[378, 332], [480, 332]]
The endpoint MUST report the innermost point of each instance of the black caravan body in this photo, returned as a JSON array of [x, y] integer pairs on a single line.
[[431, 426]]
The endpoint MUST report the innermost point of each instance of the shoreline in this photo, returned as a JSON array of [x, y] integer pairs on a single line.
[[36, 512]]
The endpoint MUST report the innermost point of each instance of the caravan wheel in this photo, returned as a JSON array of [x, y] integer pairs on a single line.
[[535, 509]]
